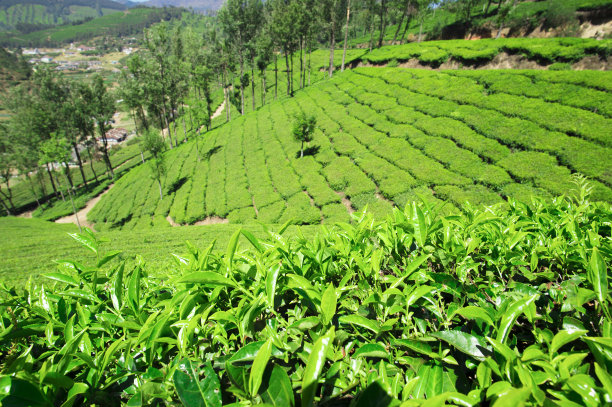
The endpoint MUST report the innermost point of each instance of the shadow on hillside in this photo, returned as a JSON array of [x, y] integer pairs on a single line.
[[211, 152], [312, 150]]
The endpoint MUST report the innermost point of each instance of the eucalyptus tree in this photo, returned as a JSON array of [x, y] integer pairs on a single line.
[[331, 13], [102, 106], [158, 44], [265, 53], [8, 165], [154, 144], [283, 31], [240, 21]]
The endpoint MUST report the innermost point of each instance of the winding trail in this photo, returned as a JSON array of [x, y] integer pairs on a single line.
[[82, 214]]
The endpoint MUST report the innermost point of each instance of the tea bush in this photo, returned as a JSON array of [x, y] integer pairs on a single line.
[[506, 305]]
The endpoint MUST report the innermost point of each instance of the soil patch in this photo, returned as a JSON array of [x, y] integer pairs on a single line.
[[346, 202], [211, 220]]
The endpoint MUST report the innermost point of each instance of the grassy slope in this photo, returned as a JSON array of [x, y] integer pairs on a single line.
[[31, 246], [385, 136], [95, 27], [38, 14]]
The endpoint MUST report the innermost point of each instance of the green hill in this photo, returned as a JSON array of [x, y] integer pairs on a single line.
[[385, 136], [26, 15], [122, 23]]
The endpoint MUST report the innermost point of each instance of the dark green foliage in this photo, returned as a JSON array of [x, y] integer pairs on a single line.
[[418, 308]]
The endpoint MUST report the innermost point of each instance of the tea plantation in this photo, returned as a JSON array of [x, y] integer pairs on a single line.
[[496, 307], [385, 137]]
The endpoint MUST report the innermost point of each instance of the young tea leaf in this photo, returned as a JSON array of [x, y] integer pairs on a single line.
[[314, 367], [328, 305]]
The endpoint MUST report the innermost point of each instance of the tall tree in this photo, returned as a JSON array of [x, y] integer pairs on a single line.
[[346, 30], [154, 144], [331, 12], [102, 109]]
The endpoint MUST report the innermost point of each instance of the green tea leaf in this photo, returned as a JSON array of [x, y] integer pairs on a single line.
[[134, 291], [472, 312], [62, 278], [87, 240], [23, 393], [328, 305], [564, 337], [604, 378], [466, 343], [117, 289], [206, 278], [511, 315], [598, 276], [276, 388], [259, 366], [251, 238], [374, 395], [314, 367], [372, 350], [192, 391], [271, 279], [358, 320], [231, 249]]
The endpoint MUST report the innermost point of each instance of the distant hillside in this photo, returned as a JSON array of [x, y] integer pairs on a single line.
[[12, 68], [200, 5], [29, 15], [128, 22]]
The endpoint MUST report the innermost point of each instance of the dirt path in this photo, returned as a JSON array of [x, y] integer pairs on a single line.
[[219, 110], [82, 214]]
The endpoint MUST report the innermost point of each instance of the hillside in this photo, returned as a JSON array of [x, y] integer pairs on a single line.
[[385, 137], [198, 5], [27, 15], [128, 22]]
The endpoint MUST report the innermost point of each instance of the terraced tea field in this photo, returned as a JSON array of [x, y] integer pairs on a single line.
[[385, 137]]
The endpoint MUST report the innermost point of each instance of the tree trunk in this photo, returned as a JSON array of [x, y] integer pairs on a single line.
[[421, 30], [348, 19], [52, 181], [501, 27], [371, 30], [8, 197], [309, 67], [161, 193], [405, 30], [332, 45], [91, 163], [184, 129], [74, 211], [241, 86], [263, 88], [292, 71], [302, 151], [275, 76], [109, 166], [78, 156], [288, 73], [41, 181], [488, 5], [165, 117], [383, 14], [225, 93], [33, 188], [399, 26], [6, 207], [59, 187], [252, 86], [67, 174]]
